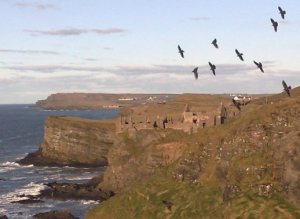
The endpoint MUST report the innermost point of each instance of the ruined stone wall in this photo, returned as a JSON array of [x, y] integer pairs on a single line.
[[189, 122]]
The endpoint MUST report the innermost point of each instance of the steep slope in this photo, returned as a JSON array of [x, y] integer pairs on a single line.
[[248, 168], [74, 142]]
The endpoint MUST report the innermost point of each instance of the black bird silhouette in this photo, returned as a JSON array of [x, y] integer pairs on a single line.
[[240, 55], [195, 71], [286, 88], [213, 68], [236, 104], [259, 65], [282, 12], [274, 24], [167, 204], [214, 42], [181, 51]]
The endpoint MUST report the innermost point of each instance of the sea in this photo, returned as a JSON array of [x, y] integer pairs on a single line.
[[21, 132]]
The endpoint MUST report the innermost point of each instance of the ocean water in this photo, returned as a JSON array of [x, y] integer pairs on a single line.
[[21, 132]]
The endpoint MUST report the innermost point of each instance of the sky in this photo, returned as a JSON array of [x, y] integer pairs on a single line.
[[130, 46]]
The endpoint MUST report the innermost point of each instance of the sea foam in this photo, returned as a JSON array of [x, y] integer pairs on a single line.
[[20, 194]]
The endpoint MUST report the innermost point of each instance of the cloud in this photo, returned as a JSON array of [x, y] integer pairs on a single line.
[[29, 51], [30, 83], [38, 6], [74, 31], [222, 69], [61, 32], [107, 31], [53, 68], [107, 48]]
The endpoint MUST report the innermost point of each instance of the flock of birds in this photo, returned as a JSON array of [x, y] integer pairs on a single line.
[[259, 65]]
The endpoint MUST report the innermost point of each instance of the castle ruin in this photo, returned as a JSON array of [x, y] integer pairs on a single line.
[[189, 122]]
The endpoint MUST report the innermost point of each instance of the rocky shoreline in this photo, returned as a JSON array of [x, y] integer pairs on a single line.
[[64, 214], [65, 191], [73, 142], [37, 159]]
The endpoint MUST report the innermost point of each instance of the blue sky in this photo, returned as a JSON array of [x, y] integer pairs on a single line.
[[131, 46]]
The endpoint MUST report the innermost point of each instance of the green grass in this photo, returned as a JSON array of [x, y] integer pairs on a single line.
[[60, 121], [189, 201]]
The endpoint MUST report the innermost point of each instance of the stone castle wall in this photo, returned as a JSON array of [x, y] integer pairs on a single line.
[[188, 123]]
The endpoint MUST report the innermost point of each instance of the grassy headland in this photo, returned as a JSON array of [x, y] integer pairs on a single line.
[[247, 168]]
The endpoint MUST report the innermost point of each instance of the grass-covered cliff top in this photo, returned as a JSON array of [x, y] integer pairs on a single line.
[[81, 122], [95, 100], [248, 168]]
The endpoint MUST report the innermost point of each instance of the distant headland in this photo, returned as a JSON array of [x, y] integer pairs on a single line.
[[100, 100]]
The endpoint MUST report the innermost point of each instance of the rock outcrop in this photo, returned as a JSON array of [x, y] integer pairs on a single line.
[[138, 155], [70, 141], [64, 214], [65, 191]]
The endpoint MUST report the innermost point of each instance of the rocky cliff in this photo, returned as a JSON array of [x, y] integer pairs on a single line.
[[138, 154], [248, 168], [74, 142]]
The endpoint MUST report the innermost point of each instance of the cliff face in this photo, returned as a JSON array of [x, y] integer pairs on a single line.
[[247, 168], [138, 155], [74, 142]]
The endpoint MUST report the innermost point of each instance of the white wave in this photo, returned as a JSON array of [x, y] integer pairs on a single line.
[[90, 202], [7, 169], [17, 178], [78, 178], [10, 164], [22, 156], [14, 165], [68, 167], [48, 205], [26, 166], [32, 171], [29, 189]]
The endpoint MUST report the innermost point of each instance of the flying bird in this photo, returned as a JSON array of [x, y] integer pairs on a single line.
[[236, 104], [259, 65], [240, 55], [181, 51], [286, 88], [212, 68], [274, 24], [195, 71], [214, 42], [282, 12]]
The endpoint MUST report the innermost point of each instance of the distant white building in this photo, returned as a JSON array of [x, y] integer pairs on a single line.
[[126, 99], [242, 99]]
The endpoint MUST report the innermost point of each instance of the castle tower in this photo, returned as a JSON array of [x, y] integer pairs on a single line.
[[187, 114], [187, 108], [223, 113]]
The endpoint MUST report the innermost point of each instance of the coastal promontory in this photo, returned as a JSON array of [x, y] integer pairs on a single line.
[[70, 141]]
